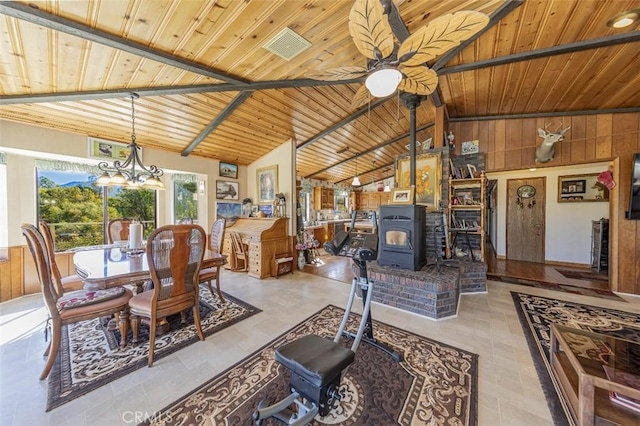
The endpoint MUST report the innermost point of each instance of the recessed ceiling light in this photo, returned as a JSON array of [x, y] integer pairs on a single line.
[[624, 19]]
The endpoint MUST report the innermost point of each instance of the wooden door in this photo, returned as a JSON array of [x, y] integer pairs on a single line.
[[526, 219]]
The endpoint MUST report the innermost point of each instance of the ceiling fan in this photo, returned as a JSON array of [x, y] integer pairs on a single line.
[[391, 66]]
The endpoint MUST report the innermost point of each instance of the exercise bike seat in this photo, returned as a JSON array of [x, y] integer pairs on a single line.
[[315, 359]]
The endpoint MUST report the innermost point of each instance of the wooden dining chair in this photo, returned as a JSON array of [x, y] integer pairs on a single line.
[[62, 284], [216, 240], [118, 230], [239, 252], [174, 254], [72, 306]]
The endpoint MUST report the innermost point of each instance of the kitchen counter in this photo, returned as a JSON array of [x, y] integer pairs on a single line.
[[338, 224]]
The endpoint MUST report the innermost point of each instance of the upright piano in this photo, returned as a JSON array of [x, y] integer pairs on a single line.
[[266, 238]]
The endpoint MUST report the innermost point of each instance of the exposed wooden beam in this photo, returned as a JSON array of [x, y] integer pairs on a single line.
[[546, 114], [169, 90], [436, 98], [505, 9], [498, 14], [36, 16], [546, 51], [341, 123], [382, 145], [232, 106]]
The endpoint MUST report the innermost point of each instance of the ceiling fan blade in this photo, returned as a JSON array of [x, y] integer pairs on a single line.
[[442, 34], [419, 80], [370, 29], [361, 97], [335, 74]]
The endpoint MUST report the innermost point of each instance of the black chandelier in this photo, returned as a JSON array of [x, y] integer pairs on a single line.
[[131, 174]]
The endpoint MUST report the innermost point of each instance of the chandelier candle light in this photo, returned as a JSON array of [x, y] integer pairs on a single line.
[[131, 174]]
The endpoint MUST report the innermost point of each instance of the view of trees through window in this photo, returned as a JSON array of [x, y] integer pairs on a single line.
[[77, 209], [186, 201]]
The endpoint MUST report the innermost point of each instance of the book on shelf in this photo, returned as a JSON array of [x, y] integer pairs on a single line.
[[625, 378]]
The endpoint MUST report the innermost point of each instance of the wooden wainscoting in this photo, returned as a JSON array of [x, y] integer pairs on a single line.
[[11, 273]]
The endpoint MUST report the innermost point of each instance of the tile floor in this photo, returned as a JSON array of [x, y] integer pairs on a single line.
[[487, 324]]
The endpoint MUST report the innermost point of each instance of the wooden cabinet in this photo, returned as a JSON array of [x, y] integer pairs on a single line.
[[354, 201], [323, 198], [373, 200], [466, 216], [383, 198]]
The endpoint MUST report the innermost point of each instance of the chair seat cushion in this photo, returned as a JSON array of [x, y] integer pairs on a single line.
[[316, 359], [106, 306], [140, 304], [78, 298], [207, 274]]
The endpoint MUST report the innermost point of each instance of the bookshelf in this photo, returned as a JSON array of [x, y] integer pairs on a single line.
[[466, 216]]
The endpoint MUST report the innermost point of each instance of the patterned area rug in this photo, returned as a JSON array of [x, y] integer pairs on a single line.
[[90, 355], [583, 275], [606, 294], [436, 384], [537, 313]]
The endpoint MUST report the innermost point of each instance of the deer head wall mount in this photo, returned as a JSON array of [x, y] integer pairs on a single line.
[[546, 150]]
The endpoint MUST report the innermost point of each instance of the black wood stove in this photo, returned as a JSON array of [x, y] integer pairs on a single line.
[[402, 240]]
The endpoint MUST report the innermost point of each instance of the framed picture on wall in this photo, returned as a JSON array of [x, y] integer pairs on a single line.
[[267, 183], [229, 211], [402, 196], [107, 150], [228, 170], [428, 176], [585, 187], [226, 190]]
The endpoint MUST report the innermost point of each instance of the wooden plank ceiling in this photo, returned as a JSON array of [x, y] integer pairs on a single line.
[[209, 88]]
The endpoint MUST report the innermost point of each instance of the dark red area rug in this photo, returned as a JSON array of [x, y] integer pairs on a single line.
[[556, 286], [435, 384]]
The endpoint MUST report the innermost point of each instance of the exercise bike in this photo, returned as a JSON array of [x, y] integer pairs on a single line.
[[317, 363]]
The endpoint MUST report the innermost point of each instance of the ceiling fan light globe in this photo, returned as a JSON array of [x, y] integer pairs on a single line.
[[383, 82]]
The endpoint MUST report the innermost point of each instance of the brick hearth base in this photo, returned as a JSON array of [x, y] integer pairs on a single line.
[[426, 292]]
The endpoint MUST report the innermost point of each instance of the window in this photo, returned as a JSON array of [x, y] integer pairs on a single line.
[[77, 210], [185, 194]]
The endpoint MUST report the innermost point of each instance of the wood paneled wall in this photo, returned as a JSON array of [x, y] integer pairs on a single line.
[[511, 144], [11, 276]]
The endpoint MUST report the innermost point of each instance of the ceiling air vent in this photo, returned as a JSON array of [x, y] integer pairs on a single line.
[[287, 44]]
